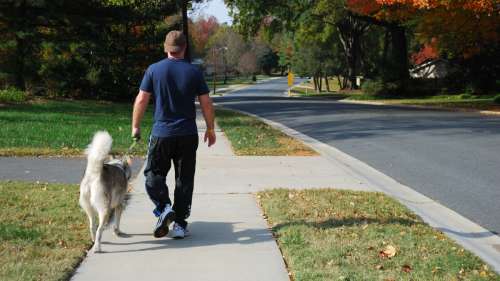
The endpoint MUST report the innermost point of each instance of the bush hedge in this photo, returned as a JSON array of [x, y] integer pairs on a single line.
[[12, 95], [496, 99]]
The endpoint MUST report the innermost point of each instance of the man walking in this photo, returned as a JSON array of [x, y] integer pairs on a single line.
[[174, 84]]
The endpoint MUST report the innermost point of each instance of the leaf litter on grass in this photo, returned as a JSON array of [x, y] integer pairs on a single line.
[[328, 234]]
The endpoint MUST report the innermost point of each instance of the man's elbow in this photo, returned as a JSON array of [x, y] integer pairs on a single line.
[[142, 98], [205, 101]]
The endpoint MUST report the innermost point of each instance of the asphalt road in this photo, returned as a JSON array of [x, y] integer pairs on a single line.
[[451, 157]]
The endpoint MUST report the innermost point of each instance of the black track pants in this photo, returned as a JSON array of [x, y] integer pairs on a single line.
[[162, 152]]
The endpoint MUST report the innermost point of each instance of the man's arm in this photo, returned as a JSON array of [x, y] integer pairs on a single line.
[[207, 109], [140, 106]]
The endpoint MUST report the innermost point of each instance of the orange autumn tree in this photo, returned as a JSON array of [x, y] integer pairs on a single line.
[[460, 27], [465, 31]]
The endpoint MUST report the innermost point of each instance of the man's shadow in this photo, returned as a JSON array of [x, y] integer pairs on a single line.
[[202, 234]]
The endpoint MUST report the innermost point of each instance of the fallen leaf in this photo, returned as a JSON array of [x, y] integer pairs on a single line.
[[406, 268], [388, 252], [379, 267], [365, 225]]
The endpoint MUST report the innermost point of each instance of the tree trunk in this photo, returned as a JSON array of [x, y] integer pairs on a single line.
[[320, 87], [315, 83], [185, 30], [20, 81], [350, 32], [386, 49], [400, 53], [353, 59], [345, 82], [327, 84], [341, 86], [19, 75]]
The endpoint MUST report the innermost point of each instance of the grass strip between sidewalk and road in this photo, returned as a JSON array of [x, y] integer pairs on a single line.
[[463, 102], [43, 232], [64, 127], [472, 103], [328, 234], [250, 136]]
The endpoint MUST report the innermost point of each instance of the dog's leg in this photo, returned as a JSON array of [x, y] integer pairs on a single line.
[[103, 218], [118, 213], [91, 214]]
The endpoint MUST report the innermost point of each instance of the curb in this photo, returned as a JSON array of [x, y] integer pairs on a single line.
[[465, 232], [482, 112]]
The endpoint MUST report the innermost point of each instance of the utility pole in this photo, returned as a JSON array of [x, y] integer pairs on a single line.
[[185, 28], [215, 68]]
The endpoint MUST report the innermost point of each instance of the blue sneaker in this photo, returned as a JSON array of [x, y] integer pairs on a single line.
[[164, 220]]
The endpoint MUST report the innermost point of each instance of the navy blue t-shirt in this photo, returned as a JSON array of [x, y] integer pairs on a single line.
[[174, 84]]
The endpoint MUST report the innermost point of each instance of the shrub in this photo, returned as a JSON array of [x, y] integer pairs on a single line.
[[470, 90], [377, 88], [12, 95], [466, 96], [496, 99]]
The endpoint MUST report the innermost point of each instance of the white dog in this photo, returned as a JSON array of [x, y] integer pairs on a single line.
[[103, 187]]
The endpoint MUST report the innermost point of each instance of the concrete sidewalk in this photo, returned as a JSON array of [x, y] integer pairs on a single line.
[[230, 239]]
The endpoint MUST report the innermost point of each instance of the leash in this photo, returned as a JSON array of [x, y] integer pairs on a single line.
[[136, 139], [133, 145]]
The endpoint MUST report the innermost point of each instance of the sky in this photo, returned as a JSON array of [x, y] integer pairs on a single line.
[[215, 8]]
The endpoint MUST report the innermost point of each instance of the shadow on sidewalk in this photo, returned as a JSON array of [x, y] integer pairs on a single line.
[[202, 234]]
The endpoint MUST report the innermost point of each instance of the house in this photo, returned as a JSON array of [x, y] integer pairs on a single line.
[[430, 69]]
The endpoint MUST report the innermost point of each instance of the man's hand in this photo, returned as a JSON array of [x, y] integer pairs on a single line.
[[208, 113], [210, 136], [136, 133], [140, 105]]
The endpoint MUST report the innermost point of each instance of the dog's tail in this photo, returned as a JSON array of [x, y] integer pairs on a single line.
[[98, 151]]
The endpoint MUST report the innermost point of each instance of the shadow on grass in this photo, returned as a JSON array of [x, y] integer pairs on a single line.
[[336, 223]]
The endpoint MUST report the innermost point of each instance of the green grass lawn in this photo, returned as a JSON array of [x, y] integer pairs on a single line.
[[43, 232], [65, 127], [250, 136], [347, 235]]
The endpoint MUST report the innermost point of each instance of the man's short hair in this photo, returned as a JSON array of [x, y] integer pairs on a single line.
[[175, 42]]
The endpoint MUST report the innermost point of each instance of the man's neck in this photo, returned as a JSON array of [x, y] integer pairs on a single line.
[[175, 57]]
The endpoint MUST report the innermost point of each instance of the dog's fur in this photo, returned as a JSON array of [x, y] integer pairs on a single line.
[[103, 187]]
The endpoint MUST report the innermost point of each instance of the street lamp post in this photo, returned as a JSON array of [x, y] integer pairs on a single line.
[[215, 66]]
